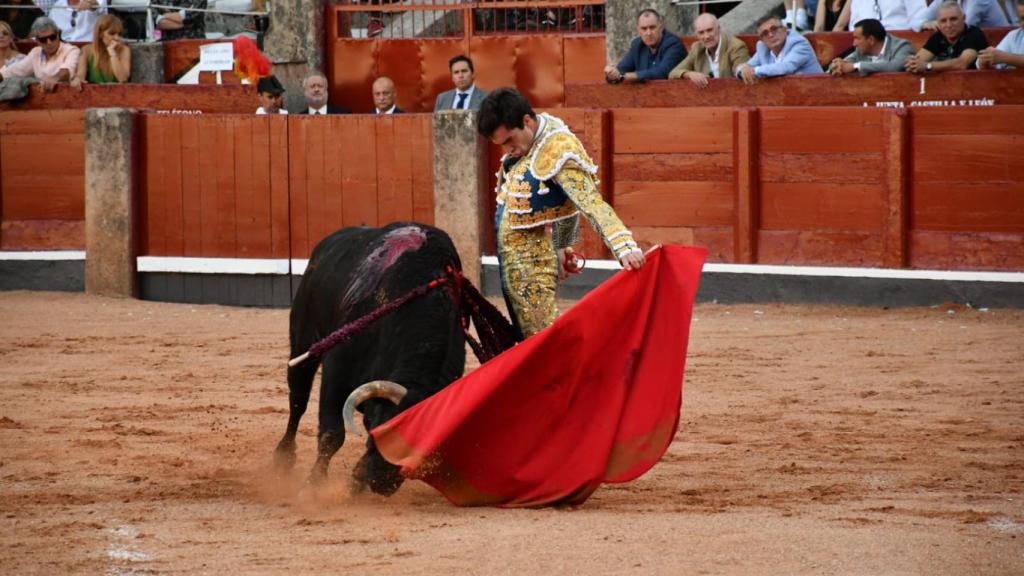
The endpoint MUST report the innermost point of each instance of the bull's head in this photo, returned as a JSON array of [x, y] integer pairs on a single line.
[[376, 389]]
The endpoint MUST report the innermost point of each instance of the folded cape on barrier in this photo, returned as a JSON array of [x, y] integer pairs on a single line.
[[593, 398]]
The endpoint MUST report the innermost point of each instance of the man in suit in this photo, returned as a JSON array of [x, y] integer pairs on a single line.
[[465, 95], [384, 96], [651, 56], [713, 54], [314, 88], [780, 52], [874, 51]]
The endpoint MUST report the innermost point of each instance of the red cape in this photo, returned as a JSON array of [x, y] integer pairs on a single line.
[[593, 398]]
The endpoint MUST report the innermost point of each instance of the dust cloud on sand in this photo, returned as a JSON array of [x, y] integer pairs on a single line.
[[137, 438]]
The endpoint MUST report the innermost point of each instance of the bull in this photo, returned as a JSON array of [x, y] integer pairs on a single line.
[[395, 360]]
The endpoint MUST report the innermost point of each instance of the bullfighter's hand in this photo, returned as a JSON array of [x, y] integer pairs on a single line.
[[633, 260], [562, 272]]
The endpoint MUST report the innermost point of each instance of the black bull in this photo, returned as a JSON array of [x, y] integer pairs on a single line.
[[409, 354]]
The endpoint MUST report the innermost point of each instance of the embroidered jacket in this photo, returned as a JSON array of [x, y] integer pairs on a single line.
[[552, 183]]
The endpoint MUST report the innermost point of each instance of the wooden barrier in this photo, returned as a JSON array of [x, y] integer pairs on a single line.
[[175, 98], [968, 88], [273, 186], [42, 180]]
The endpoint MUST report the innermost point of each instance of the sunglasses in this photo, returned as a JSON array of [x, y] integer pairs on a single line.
[[769, 31], [46, 39]]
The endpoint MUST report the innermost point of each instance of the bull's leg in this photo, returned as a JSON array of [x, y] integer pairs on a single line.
[[300, 383], [376, 473], [332, 431]]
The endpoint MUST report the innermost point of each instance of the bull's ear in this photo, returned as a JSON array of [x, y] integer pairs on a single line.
[[376, 389]]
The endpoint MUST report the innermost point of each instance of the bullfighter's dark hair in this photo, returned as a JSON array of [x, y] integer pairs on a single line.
[[871, 27], [461, 58], [503, 107]]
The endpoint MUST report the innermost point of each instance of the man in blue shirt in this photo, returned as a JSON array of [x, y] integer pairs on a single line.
[[651, 56], [780, 52]]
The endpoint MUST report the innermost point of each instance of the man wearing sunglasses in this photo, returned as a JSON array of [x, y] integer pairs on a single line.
[[780, 52], [52, 62]]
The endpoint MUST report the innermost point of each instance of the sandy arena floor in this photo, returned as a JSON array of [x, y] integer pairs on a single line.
[[136, 438]]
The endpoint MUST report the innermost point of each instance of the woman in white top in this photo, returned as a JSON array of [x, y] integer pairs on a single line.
[[77, 18], [8, 49]]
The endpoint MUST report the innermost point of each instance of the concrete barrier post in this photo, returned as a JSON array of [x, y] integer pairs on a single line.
[[460, 184], [148, 63], [109, 196]]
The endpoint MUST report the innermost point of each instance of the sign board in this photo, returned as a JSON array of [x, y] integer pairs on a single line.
[[216, 57]]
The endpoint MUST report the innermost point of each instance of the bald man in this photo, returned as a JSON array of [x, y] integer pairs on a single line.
[[384, 96], [713, 55]]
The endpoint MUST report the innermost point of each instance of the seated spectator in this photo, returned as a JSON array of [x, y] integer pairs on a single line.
[[175, 24], [315, 89], [466, 95], [1010, 52], [384, 96], [8, 49], [651, 56], [52, 62], [874, 51], [713, 54], [77, 18], [893, 14], [954, 47], [780, 52], [980, 13], [108, 60], [826, 17], [271, 95]]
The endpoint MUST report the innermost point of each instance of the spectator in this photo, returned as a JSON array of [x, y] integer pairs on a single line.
[[780, 52], [107, 60], [826, 17], [175, 24], [465, 95], [1010, 52], [893, 14], [45, 5], [77, 18], [314, 88], [8, 49], [874, 51], [271, 95], [980, 13], [384, 96], [20, 16], [52, 62], [796, 15], [713, 54], [651, 56], [954, 47]]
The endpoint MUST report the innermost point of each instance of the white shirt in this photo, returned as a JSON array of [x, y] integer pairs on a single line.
[[260, 110], [320, 110], [714, 59], [1013, 43], [393, 106], [876, 57], [894, 14], [84, 20], [469, 98]]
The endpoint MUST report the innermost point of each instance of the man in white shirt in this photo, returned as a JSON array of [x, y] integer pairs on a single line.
[[271, 95], [893, 14], [384, 96], [465, 95], [1010, 51], [53, 62]]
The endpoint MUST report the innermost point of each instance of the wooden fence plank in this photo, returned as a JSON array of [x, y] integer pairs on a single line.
[[811, 206], [675, 203], [671, 130], [821, 130]]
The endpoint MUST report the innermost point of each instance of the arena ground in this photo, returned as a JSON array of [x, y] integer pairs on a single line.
[[136, 438]]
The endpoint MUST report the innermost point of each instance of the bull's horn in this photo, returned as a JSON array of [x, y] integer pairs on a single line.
[[376, 389]]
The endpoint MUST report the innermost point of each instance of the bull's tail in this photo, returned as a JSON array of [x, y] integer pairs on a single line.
[[494, 330]]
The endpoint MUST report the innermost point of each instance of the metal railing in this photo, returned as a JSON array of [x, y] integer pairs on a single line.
[[455, 18]]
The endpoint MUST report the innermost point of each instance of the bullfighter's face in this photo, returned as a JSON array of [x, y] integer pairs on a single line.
[[517, 141]]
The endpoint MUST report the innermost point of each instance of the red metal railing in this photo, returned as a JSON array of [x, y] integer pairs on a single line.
[[448, 19]]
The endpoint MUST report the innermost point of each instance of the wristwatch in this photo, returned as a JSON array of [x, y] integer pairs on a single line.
[[928, 67]]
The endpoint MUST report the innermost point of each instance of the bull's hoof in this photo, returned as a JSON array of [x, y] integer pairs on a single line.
[[284, 457]]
